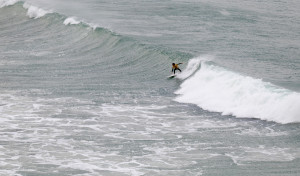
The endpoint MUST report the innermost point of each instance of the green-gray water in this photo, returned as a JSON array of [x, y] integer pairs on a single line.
[[84, 88]]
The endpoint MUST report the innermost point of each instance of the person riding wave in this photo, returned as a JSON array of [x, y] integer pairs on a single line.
[[175, 67]]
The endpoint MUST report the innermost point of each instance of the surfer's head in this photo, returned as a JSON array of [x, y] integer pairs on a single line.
[[173, 63]]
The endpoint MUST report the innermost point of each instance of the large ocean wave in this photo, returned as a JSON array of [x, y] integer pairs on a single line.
[[99, 56], [214, 88], [61, 51]]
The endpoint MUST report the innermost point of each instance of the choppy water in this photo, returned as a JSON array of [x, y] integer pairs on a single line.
[[84, 88]]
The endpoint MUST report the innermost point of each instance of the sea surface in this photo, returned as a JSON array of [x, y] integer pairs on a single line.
[[84, 88]]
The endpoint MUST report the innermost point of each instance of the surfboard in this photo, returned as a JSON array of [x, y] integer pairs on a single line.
[[171, 76]]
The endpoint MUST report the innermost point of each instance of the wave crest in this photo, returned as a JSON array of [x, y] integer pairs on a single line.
[[216, 89], [4, 3], [71, 20], [34, 12]]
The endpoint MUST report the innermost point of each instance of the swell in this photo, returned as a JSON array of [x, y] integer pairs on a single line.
[[46, 49]]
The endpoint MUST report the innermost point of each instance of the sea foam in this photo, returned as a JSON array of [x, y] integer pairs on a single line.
[[193, 65], [4, 3], [34, 12], [71, 20], [216, 89]]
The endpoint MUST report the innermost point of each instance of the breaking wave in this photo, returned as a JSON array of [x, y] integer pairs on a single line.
[[216, 89], [205, 84]]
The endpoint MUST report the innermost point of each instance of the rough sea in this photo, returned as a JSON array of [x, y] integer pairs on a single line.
[[84, 88]]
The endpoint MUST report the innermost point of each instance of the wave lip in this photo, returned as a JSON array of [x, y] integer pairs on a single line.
[[4, 3], [191, 67], [216, 89], [71, 20], [35, 12]]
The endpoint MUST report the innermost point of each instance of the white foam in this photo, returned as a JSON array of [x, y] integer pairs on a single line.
[[71, 20], [4, 3], [93, 26], [267, 131], [193, 65], [35, 12], [216, 89], [74, 20], [260, 153]]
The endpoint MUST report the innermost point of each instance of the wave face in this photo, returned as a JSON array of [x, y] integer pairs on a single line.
[[55, 51], [214, 88]]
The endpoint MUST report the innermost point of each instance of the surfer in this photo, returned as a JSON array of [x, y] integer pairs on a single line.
[[175, 67]]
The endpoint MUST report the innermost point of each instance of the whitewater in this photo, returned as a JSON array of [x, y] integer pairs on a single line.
[[84, 87], [216, 89]]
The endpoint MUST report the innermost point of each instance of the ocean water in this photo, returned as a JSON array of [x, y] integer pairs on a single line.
[[84, 88]]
